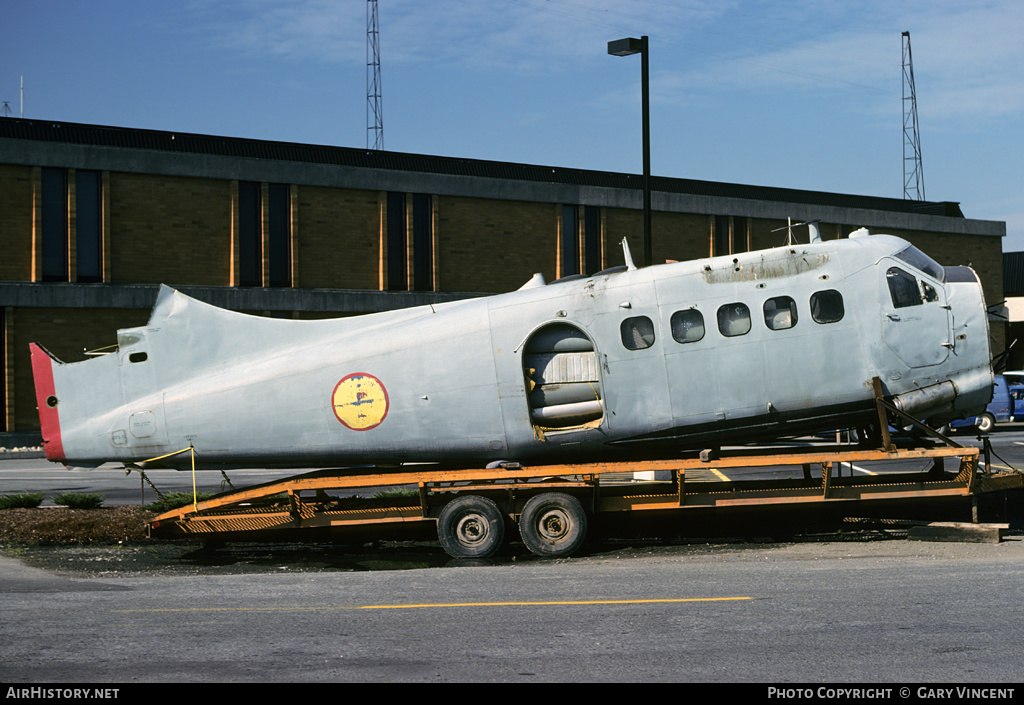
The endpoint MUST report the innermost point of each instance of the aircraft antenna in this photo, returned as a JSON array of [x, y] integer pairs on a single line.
[[913, 171], [812, 227], [374, 110]]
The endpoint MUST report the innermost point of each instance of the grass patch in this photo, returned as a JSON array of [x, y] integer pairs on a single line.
[[21, 500], [79, 500]]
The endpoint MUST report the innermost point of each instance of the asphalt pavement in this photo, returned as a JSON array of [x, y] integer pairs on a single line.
[[896, 614]]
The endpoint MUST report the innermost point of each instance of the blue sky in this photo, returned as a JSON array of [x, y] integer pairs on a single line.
[[790, 93]]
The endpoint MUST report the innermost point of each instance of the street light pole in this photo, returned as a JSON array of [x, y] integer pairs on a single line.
[[628, 47]]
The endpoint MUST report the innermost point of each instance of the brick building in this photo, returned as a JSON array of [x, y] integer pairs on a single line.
[[94, 218]]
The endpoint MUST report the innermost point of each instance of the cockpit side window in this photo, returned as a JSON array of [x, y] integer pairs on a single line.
[[903, 288], [928, 291]]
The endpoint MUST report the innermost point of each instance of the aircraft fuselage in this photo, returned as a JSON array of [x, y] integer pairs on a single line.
[[611, 366]]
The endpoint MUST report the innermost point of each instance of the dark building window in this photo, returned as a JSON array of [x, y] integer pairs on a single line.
[[570, 242], [250, 234], [3, 369], [396, 241], [592, 239], [54, 226], [729, 235], [739, 234], [88, 226], [280, 235], [422, 242], [720, 237]]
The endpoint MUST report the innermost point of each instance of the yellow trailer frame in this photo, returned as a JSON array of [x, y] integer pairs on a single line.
[[305, 502]]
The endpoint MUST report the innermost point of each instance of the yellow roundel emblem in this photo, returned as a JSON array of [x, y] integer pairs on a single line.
[[360, 401]]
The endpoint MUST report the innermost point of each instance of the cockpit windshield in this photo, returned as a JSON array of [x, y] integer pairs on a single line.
[[919, 260]]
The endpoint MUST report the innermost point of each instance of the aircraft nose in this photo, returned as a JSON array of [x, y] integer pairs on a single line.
[[972, 352]]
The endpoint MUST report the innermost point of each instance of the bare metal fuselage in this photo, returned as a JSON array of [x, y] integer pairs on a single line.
[[626, 364]]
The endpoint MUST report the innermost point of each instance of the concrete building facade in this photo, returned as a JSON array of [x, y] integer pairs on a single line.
[[94, 218]]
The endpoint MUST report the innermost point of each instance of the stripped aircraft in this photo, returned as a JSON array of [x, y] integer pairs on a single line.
[[626, 363]]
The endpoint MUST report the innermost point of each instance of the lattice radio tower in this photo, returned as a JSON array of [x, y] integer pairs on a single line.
[[913, 171], [374, 112]]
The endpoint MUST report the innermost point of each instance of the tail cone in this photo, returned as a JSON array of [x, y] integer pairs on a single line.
[[47, 402]]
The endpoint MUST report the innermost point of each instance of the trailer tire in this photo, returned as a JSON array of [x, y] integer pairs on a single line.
[[471, 527], [986, 422], [553, 525]]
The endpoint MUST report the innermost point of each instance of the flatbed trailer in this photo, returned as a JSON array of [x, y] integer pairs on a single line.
[[552, 505]]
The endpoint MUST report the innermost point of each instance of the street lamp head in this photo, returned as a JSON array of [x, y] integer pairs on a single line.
[[625, 47]]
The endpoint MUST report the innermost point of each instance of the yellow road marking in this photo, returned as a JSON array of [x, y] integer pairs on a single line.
[[441, 604], [541, 604]]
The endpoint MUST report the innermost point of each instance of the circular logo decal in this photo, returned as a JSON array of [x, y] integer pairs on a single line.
[[360, 401]]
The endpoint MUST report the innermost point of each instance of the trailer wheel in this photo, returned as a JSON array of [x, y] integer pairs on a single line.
[[471, 527], [553, 524], [985, 422]]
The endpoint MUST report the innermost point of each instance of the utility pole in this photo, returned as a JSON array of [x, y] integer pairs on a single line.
[[374, 110], [913, 171]]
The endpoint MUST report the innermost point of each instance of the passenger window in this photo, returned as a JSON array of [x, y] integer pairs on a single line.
[[687, 326], [733, 320], [780, 313], [637, 333], [827, 306], [903, 288]]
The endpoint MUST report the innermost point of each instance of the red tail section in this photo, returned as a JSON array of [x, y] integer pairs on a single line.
[[46, 402]]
